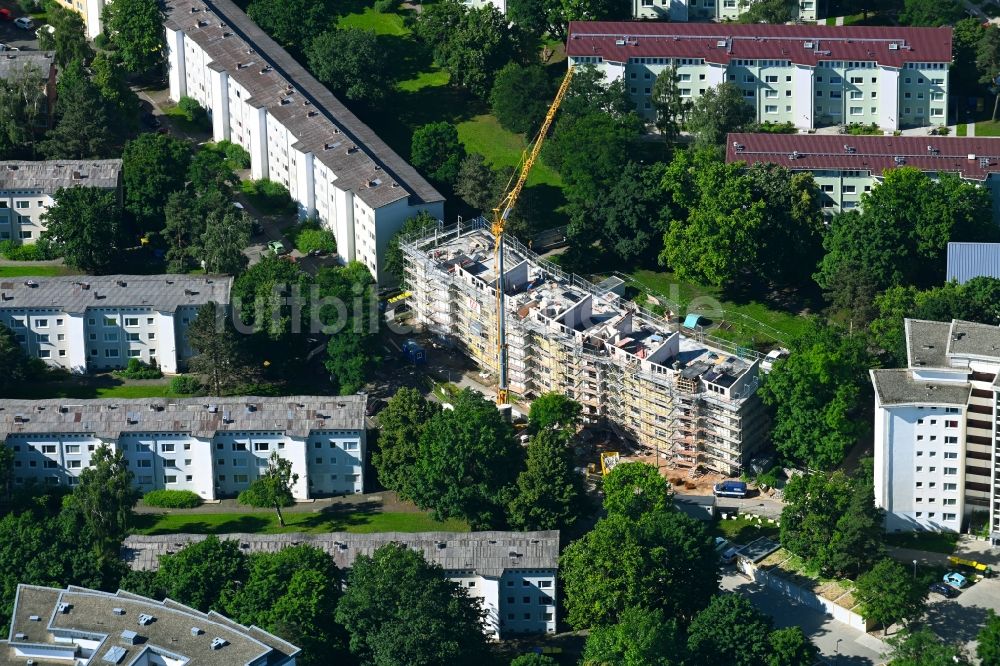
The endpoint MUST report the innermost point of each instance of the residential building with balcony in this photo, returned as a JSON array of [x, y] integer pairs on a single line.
[[27, 191], [845, 166], [215, 447], [87, 323], [937, 436], [297, 133], [808, 75], [689, 396]]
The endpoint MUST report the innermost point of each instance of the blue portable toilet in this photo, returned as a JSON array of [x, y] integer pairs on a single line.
[[414, 353]]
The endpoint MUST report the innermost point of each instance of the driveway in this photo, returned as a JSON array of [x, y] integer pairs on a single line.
[[839, 644], [14, 36], [961, 618]]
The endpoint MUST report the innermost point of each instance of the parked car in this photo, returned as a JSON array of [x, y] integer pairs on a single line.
[[4, 47], [944, 590], [730, 488], [276, 246], [45, 29], [24, 23], [955, 579], [6, 15]]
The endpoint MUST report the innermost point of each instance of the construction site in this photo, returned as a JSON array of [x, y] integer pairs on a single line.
[[691, 404]]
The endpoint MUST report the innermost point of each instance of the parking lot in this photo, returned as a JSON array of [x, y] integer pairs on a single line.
[[961, 618], [10, 35]]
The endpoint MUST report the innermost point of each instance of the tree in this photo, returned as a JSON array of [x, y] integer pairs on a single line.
[[467, 457], [273, 488], [549, 493], [292, 23], [69, 40], [533, 659], [417, 224], [815, 393], [218, 355], [670, 107], [641, 638], [730, 630], [399, 609], [533, 16], [135, 28], [988, 60], [401, 424], [717, 111], [84, 226], [520, 97], [791, 647], [769, 11], [184, 225], [665, 560], [16, 367], [81, 131], [353, 347], [928, 13], [964, 74], [22, 105], [102, 503], [924, 648], [153, 166], [351, 61], [261, 295], [478, 184], [554, 410], [988, 641], [435, 149], [202, 573], [634, 489], [108, 74], [226, 236], [887, 593], [210, 170]]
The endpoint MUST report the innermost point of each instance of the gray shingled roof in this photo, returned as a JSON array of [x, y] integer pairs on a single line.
[[164, 293], [15, 63], [202, 417], [49, 176], [969, 260], [927, 343], [973, 339], [486, 553], [324, 126], [897, 387]]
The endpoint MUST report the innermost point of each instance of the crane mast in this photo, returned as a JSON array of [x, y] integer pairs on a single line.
[[500, 214]]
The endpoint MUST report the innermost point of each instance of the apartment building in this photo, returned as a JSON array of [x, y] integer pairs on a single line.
[[513, 574], [846, 166], [87, 627], [214, 447], [296, 131], [90, 11], [937, 428], [971, 260], [806, 11], [808, 75], [87, 323], [690, 397], [27, 190], [18, 64]]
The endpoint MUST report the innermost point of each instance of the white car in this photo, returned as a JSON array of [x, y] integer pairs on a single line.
[[45, 29], [4, 47], [24, 23]]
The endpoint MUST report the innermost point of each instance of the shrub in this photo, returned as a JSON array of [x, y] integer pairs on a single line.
[[16, 252], [268, 195], [172, 499], [386, 6], [192, 110], [102, 41], [182, 384], [136, 369], [769, 127], [237, 157], [316, 239], [857, 129]]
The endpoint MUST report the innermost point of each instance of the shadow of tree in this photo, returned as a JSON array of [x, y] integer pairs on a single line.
[[339, 517]]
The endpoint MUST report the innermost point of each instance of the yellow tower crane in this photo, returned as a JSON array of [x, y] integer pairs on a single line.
[[500, 214]]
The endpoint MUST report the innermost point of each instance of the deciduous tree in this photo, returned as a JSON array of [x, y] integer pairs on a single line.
[[351, 61], [153, 166], [394, 261], [717, 111], [554, 410], [352, 350], [226, 236], [791, 647], [887, 593], [549, 493], [135, 27], [16, 367], [84, 226], [273, 488], [292, 23], [218, 354], [203, 573], [988, 641], [924, 648], [641, 638], [435, 149], [634, 489], [520, 97], [730, 630], [69, 41], [81, 130], [401, 424], [670, 107], [931, 13]]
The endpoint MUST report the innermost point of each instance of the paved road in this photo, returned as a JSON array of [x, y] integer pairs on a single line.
[[839, 644]]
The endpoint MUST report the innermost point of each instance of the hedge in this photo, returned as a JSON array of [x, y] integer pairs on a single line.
[[172, 499]]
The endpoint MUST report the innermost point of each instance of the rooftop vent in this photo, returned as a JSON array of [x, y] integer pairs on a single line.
[[118, 611], [808, 45], [312, 113], [265, 69], [893, 46], [285, 100], [219, 643], [984, 162], [114, 655], [65, 607], [850, 149], [619, 42], [202, 24], [739, 146], [129, 637], [899, 159], [34, 618], [352, 150], [212, 409], [794, 155], [196, 631], [972, 156], [932, 150], [145, 619], [20, 637], [227, 34]]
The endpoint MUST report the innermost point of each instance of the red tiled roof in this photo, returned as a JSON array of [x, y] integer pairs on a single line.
[[617, 41], [870, 153]]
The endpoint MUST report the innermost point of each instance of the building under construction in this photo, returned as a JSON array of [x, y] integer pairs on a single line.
[[629, 368]]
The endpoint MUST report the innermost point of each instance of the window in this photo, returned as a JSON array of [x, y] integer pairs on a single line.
[[111, 337], [134, 353], [545, 583], [48, 448], [951, 486], [950, 501], [111, 353], [22, 204], [849, 189], [950, 455], [131, 321], [950, 471], [240, 478], [948, 516], [144, 463], [771, 108], [167, 447], [261, 446], [72, 448], [110, 321], [44, 353], [836, 94], [770, 94], [771, 78], [857, 79], [42, 323], [170, 478], [132, 337]]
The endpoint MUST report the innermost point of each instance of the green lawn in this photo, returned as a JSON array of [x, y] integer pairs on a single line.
[[484, 135], [832, 20], [935, 542], [988, 128], [741, 530], [267, 522], [961, 129], [88, 390], [432, 78], [380, 24], [34, 271]]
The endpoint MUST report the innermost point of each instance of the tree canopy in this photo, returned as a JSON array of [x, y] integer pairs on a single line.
[[923, 648], [273, 488], [730, 630], [435, 149], [634, 489], [81, 130], [988, 641], [16, 367], [548, 494], [351, 61], [553, 410], [641, 638], [887, 593], [153, 166], [292, 23], [135, 27], [717, 111], [218, 354], [401, 424], [84, 226], [520, 97]]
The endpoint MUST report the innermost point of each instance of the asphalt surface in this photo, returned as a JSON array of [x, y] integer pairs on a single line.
[[11, 35]]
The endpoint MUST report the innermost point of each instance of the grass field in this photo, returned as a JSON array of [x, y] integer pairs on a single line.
[[501, 148], [988, 128], [34, 271], [935, 542], [741, 531], [961, 129], [380, 24], [88, 390], [267, 523]]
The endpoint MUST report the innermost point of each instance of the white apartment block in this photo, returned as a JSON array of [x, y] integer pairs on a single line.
[[936, 428], [27, 191], [90, 11], [809, 75], [845, 167], [214, 447], [87, 627], [805, 11], [296, 131], [514, 574], [691, 397], [88, 323]]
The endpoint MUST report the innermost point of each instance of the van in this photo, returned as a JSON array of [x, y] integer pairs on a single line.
[[730, 489]]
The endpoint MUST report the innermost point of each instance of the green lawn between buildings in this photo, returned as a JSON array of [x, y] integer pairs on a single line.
[[988, 128], [26, 270], [181, 522], [99, 388]]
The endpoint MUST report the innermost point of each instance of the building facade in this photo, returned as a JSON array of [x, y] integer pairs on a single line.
[[513, 574], [967, 261], [691, 398], [27, 191], [809, 75], [90, 11], [87, 323], [297, 133], [936, 429], [805, 11], [88, 627], [214, 447], [845, 166]]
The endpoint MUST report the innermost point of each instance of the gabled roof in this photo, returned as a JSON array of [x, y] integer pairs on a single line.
[[972, 158], [618, 41]]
